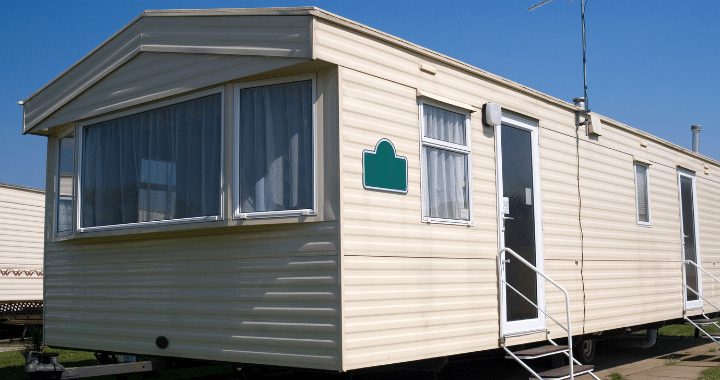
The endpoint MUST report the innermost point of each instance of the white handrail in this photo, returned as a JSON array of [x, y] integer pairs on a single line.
[[697, 291], [503, 284]]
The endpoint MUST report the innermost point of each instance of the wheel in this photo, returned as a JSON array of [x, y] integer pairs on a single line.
[[584, 349]]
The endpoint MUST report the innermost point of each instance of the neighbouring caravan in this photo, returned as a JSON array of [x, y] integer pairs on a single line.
[[22, 215], [287, 187]]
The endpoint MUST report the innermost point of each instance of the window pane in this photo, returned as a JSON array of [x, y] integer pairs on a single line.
[[276, 147], [65, 192], [441, 124], [447, 181], [642, 193], [155, 165]]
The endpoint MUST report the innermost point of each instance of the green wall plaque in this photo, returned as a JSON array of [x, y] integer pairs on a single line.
[[384, 170]]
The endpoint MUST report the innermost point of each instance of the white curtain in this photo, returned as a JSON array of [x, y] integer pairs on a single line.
[[441, 124], [155, 165], [447, 184], [276, 147], [447, 171]]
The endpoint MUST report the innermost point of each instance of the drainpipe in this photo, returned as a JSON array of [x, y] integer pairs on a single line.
[[695, 128]]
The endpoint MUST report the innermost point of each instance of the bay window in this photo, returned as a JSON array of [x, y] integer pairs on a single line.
[[158, 165]]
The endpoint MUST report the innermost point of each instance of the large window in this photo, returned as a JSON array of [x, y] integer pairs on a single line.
[[642, 193], [446, 153], [275, 171], [158, 165], [65, 193]]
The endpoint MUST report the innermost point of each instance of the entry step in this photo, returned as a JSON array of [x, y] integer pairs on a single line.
[[705, 321], [564, 372], [539, 352]]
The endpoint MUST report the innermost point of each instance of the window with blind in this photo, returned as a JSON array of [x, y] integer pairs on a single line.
[[445, 165], [642, 193]]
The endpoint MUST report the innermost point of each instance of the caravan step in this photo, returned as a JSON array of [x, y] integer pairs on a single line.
[[705, 321], [539, 352], [564, 372], [527, 332]]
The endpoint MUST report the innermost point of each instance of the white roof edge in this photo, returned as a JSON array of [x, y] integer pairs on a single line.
[[86, 56], [354, 25], [23, 188], [181, 12]]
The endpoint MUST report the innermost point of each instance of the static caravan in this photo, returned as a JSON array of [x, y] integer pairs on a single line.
[[288, 187], [22, 215]]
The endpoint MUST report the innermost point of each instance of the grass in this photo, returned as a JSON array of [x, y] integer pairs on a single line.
[[616, 376], [710, 374], [12, 367], [683, 330], [12, 364]]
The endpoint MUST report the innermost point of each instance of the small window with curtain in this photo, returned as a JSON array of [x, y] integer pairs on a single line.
[[642, 193], [160, 165], [64, 190], [445, 165], [275, 150]]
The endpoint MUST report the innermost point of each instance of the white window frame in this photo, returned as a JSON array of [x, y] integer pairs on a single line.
[[440, 144], [78, 160], [237, 212], [642, 223], [56, 184]]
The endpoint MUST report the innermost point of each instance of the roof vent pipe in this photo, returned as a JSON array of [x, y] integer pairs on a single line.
[[695, 128]]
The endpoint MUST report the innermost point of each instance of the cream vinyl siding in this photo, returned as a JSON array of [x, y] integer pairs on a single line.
[[250, 295], [625, 275], [22, 213]]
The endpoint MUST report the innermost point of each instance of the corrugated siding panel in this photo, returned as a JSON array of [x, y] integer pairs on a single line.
[[378, 86], [22, 219], [153, 76], [268, 296], [709, 220], [400, 308]]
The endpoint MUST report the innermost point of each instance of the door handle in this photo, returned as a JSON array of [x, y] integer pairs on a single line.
[[507, 218]]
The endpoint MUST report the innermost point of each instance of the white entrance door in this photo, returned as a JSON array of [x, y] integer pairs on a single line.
[[690, 246], [520, 221]]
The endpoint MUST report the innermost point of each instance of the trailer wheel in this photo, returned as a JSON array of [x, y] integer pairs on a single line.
[[584, 350]]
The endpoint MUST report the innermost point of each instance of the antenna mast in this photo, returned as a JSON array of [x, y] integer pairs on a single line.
[[584, 47]]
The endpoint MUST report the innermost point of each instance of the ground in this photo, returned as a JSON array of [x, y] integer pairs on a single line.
[[677, 355]]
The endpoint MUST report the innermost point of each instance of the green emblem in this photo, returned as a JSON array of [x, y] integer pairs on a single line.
[[384, 170]]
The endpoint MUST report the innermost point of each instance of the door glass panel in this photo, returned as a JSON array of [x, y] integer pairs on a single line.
[[688, 227], [517, 177]]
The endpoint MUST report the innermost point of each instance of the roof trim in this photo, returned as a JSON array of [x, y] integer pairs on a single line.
[[23, 188]]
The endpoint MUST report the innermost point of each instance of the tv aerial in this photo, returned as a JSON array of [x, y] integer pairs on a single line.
[[584, 47]]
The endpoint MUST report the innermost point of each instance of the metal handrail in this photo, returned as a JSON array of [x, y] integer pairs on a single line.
[[503, 285], [696, 291]]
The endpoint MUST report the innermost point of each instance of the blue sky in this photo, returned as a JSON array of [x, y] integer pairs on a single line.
[[653, 65]]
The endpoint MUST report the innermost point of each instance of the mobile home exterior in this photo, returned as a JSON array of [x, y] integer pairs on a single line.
[[226, 206], [22, 215]]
